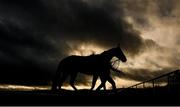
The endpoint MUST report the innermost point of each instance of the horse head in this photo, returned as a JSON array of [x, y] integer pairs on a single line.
[[119, 54]]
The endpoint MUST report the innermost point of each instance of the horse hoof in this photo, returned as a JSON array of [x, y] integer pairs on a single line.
[[54, 89]]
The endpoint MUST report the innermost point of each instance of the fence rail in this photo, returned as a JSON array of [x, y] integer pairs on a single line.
[[153, 81]]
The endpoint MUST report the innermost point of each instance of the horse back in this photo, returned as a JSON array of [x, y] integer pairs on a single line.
[[83, 64]]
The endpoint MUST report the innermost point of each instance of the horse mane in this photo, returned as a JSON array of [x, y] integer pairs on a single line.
[[107, 51]]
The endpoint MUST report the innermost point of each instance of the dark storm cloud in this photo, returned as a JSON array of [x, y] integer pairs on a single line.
[[21, 54], [34, 34], [102, 25], [148, 16]]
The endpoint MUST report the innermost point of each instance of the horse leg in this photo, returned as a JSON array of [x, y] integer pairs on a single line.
[[55, 81], [62, 79], [72, 80], [54, 85], [104, 86], [103, 83], [110, 80], [95, 77]]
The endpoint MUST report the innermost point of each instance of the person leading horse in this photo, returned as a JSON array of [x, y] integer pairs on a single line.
[[96, 65]]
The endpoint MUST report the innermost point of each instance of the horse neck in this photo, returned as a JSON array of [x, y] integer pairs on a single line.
[[107, 55]]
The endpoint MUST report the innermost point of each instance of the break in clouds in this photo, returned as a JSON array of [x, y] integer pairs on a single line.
[[35, 35]]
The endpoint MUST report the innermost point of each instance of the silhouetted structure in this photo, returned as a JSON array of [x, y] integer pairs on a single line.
[[96, 65], [171, 79], [174, 79]]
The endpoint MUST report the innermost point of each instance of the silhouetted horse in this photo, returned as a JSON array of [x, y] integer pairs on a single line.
[[96, 65]]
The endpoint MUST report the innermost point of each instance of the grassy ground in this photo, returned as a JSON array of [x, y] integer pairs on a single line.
[[159, 96]]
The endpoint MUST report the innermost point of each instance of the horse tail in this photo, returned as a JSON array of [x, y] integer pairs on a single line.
[[56, 77]]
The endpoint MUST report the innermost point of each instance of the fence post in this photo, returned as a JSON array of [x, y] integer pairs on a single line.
[[143, 84], [153, 87], [168, 85], [153, 83]]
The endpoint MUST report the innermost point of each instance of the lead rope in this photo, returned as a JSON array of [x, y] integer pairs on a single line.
[[113, 63]]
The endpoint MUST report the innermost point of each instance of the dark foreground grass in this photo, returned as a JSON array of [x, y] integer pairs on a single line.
[[86, 97]]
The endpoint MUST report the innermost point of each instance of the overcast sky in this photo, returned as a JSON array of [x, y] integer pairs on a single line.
[[36, 34]]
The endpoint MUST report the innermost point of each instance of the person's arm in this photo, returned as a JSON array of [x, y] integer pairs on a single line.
[[116, 70]]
